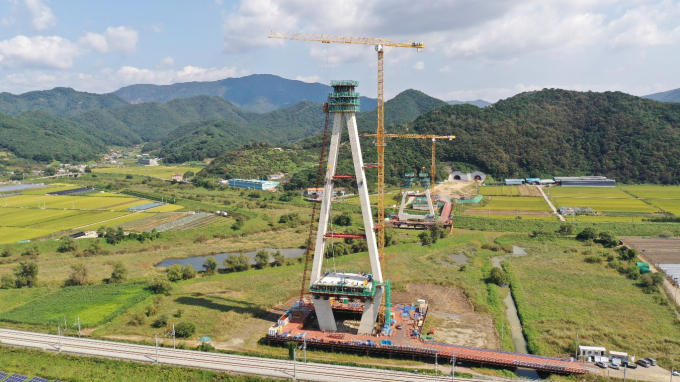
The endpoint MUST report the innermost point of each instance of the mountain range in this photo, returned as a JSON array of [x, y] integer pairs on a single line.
[[668, 96], [478, 103], [258, 93]]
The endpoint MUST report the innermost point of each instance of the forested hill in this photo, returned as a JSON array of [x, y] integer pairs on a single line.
[[259, 93], [62, 102], [405, 107], [563, 133], [44, 137]]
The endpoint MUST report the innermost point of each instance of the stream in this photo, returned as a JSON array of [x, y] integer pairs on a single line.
[[511, 313], [197, 261]]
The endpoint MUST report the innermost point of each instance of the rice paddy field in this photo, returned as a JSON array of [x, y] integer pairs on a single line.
[[164, 172], [605, 205], [34, 214], [526, 203], [653, 191], [587, 192]]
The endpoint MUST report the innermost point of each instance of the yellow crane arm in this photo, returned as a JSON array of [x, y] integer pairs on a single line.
[[423, 136], [345, 39]]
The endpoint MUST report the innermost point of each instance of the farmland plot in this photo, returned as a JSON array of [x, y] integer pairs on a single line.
[[94, 304], [605, 205], [527, 203], [654, 191], [587, 192]]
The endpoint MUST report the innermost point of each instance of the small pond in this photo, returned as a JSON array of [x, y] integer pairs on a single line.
[[197, 261]]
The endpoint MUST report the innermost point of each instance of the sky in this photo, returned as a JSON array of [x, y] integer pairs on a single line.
[[489, 49]]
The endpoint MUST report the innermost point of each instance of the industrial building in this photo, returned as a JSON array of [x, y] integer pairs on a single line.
[[254, 184], [585, 181], [514, 182], [148, 161], [468, 177]]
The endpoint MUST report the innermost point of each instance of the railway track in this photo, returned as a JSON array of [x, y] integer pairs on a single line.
[[264, 367]]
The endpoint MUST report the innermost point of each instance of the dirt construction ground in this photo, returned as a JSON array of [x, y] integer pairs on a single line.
[[452, 315]]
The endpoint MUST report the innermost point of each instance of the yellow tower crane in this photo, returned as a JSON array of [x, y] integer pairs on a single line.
[[419, 136], [379, 44]]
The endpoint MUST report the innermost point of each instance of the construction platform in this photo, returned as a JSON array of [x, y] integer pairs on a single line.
[[408, 341], [446, 218]]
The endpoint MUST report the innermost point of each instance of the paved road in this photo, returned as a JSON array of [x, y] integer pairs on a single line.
[[214, 361], [552, 207]]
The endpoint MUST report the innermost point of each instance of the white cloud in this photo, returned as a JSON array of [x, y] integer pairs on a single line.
[[446, 69], [131, 75], [166, 63], [308, 79], [120, 39], [420, 65], [41, 15], [39, 51], [157, 28]]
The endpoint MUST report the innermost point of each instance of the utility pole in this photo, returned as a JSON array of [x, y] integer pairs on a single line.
[[671, 373], [453, 365], [625, 369], [156, 348], [502, 336], [79, 333], [294, 364], [577, 347], [304, 347], [435, 362], [173, 336]]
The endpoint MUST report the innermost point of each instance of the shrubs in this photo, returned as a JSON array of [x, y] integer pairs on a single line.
[[31, 251], [587, 234], [95, 249], [189, 272], [279, 259], [8, 281], [185, 329], [344, 219], [67, 245], [566, 229], [499, 277], [507, 248], [262, 259], [137, 320], [237, 263], [593, 259], [7, 251], [78, 276], [175, 272], [205, 346], [26, 274], [160, 285], [292, 219], [161, 321], [119, 273], [210, 265]]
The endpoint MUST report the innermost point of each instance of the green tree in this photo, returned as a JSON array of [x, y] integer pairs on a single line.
[[344, 219], [262, 259], [78, 275], [189, 272], [633, 272], [238, 224], [185, 329], [210, 265], [160, 285], [188, 175], [628, 254], [498, 276], [237, 263], [88, 169], [437, 231], [26, 274], [49, 171], [587, 234], [67, 244], [608, 239], [119, 273], [279, 259], [425, 237], [95, 249], [161, 321], [7, 251], [175, 272], [566, 229]]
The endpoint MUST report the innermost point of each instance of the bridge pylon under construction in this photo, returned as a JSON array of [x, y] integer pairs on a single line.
[[330, 284]]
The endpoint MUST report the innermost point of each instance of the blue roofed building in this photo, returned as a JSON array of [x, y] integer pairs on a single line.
[[514, 182], [254, 184]]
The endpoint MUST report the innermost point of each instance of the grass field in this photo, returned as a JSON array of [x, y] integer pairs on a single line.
[[605, 205], [14, 234], [94, 305], [587, 192], [668, 205], [155, 171], [604, 307], [79, 369], [90, 202], [12, 298], [527, 203]]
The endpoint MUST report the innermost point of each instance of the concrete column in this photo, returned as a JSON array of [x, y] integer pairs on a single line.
[[428, 197], [324, 314], [370, 315], [363, 196], [324, 214]]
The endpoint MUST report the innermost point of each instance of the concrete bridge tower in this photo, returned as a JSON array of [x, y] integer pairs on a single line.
[[343, 103]]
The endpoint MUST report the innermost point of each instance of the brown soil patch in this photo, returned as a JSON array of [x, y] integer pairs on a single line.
[[528, 191], [481, 212], [452, 315], [657, 250]]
